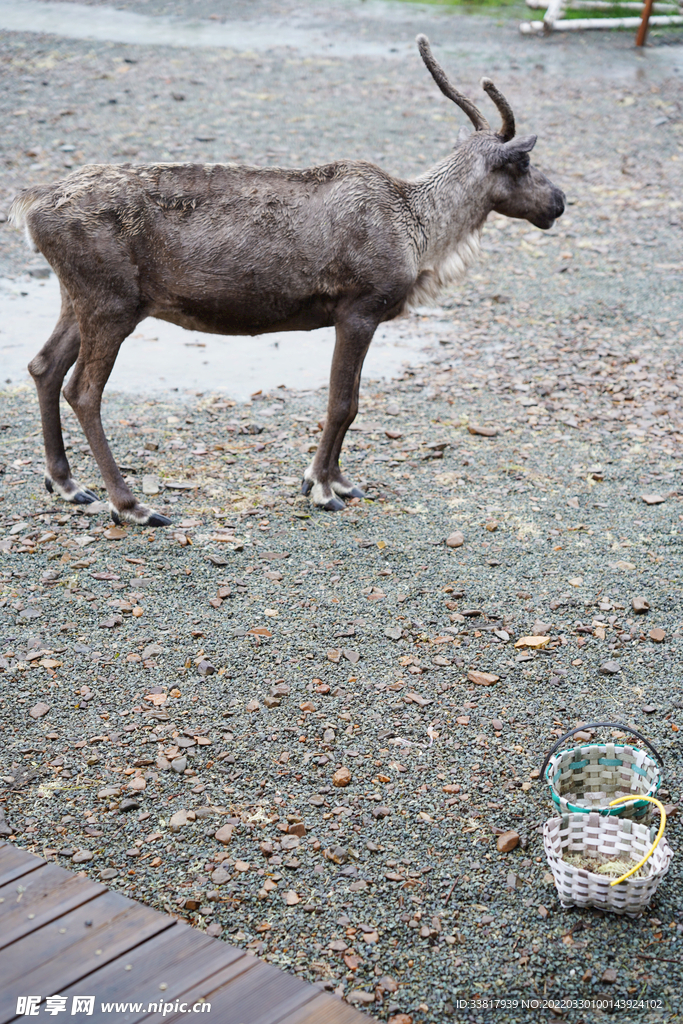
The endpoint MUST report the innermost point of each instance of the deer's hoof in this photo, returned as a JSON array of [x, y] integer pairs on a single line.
[[84, 496], [333, 505], [139, 516], [355, 492], [306, 486], [156, 519], [72, 491]]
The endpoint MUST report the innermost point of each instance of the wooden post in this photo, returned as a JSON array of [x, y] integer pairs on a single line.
[[644, 22]]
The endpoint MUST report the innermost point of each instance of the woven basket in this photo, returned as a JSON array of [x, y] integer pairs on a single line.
[[587, 778], [594, 834]]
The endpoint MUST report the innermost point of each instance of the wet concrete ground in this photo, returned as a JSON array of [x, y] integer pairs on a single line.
[[160, 357]]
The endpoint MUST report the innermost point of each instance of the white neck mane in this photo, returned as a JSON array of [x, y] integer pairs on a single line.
[[445, 270]]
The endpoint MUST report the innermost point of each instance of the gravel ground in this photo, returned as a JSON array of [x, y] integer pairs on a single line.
[[219, 673]]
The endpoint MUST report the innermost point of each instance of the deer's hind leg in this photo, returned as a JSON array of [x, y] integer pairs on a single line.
[[48, 370], [102, 334]]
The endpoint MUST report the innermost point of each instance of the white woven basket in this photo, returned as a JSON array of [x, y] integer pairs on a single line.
[[593, 834]]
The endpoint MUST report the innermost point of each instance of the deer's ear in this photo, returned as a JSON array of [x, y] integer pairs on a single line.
[[516, 149], [463, 134]]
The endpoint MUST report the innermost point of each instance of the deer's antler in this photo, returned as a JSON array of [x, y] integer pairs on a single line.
[[439, 76], [507, 128]]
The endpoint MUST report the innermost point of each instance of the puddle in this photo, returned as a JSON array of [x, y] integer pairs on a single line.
[[107, 24], [160, 357]]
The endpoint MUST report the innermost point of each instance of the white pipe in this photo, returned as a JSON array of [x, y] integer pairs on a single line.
[[528, 28], [602, 5]]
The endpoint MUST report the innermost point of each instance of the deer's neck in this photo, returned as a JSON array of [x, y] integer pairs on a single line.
[[449, 203]]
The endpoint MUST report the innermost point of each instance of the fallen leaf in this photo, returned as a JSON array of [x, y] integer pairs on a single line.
[[482, 431], [157, 699], [113, 620], [482, 678], [114, 533], [357, 995], [415, 698], [532, 641]]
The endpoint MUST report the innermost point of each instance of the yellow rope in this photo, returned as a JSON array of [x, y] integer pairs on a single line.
[[660, 832]]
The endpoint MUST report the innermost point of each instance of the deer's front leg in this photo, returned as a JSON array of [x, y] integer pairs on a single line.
[[323, 479]]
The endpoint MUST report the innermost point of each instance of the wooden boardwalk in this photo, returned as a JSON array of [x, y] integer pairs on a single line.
[[63, 934]]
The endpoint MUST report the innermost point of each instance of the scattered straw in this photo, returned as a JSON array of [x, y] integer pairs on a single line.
[[612, 866]]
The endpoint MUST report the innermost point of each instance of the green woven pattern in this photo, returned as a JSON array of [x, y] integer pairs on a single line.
[[588, 778]]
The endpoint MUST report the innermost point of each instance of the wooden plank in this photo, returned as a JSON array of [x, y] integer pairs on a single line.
[[69, 949], [214, 988], [14, 863], [260, 994], [179, 958], [65, 933], [275, 995], [326, 1009], [41, 897], [295, 1002], [204, 990]]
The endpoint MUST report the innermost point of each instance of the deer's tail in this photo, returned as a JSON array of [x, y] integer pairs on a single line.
[[19, 211]]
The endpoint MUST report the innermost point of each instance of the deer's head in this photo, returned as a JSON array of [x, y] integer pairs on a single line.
[[516, 188]]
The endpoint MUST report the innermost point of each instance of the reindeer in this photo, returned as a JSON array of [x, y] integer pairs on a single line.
[[230, 249]]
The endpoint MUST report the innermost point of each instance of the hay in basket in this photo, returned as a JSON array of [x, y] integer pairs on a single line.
[[589, 777], [597, 837]]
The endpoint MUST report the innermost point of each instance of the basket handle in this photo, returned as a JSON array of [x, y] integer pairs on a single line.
[[599, 725], [660, 833]]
